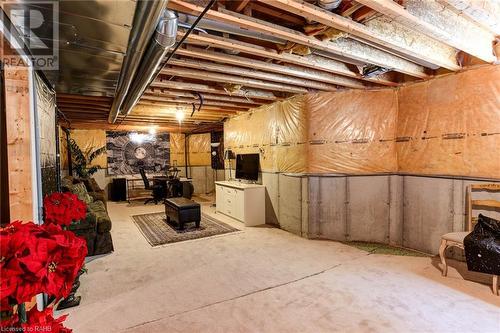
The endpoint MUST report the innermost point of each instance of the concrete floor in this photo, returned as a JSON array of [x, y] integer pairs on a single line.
[[267, 280]]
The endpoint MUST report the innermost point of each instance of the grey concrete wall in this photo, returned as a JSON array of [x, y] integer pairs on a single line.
[[271, 181], [354, 208], [407, 211], [290, 204], [435, 206]]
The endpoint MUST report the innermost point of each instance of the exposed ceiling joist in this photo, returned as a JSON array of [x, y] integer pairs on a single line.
[[255, 6], [440, 23], [250, 93], [233, 79], [484, 12], [206, 97], [169, 106], [159, 110], [354, 7], [301, 72], [169, 118], [191, 101], [363, 14], [238, 5], [343, 47], [310, 61], [252, 73], [388, 34], [128, 125]]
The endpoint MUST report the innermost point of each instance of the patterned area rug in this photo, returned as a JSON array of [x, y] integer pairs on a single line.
[[157, 231]]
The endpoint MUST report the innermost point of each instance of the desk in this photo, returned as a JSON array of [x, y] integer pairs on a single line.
[[136, 190]]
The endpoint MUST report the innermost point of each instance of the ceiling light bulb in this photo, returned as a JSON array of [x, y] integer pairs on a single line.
[[152, 130], [179, 115]]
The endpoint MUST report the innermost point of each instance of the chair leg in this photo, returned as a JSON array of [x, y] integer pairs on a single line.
[[495, 284], [442, 250]]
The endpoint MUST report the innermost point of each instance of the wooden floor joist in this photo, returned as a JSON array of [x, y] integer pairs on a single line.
[[344, 47], [182, 106], [436, 21], [292, 70], [185, 86], [388, 34], [208, 97], [233, 79], [486, 13], [310, 61], [252, 73], [191, 101]]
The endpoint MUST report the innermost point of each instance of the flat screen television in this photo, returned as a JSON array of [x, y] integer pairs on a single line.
[[247, 166]]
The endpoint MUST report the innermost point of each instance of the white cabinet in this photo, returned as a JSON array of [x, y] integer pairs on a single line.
[[244, 202]]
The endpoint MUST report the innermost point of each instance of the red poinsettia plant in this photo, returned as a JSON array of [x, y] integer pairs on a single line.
[[63, 208], [40, 259]]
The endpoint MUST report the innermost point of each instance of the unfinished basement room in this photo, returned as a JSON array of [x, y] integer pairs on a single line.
[[250, 166]]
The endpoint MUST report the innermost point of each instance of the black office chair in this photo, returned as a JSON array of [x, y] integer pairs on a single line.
[[156, 190]]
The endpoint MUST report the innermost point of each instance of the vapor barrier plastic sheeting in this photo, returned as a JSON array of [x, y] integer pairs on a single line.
[[451, 125], [177, 149], [90, 140], [199, 149], [278, 132], [352, 132], [446, 126]]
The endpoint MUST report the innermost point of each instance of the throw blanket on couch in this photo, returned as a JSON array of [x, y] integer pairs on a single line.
[[482, 246]]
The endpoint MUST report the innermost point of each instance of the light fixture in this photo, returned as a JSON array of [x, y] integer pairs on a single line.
[[179, 115], [152, 130], [140, 138], [136, 137]]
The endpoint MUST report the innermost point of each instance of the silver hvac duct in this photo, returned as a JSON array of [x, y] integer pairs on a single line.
[[329, 4], [146, 17], [150, 66], [228, 28]]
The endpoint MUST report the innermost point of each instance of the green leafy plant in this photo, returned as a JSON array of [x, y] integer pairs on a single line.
[[82, 159]]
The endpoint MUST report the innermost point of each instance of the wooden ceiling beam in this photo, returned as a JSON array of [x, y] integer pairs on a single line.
[[309, 61], [252, 73], [388, 34], [223, 78], [185, 86], [434, 20], [349, 11], [172, 105], [280, 15], [343, 47], [363, 13], [132, 125], [188, 119], [292, 70], [207, 97], [238, 5], [191, 101], [484, 12], [172, 115]]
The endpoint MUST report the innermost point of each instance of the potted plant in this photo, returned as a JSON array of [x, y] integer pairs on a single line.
[[40, 259], [83, 159]]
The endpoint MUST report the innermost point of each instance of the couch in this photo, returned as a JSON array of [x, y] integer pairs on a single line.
[[96, 227]]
